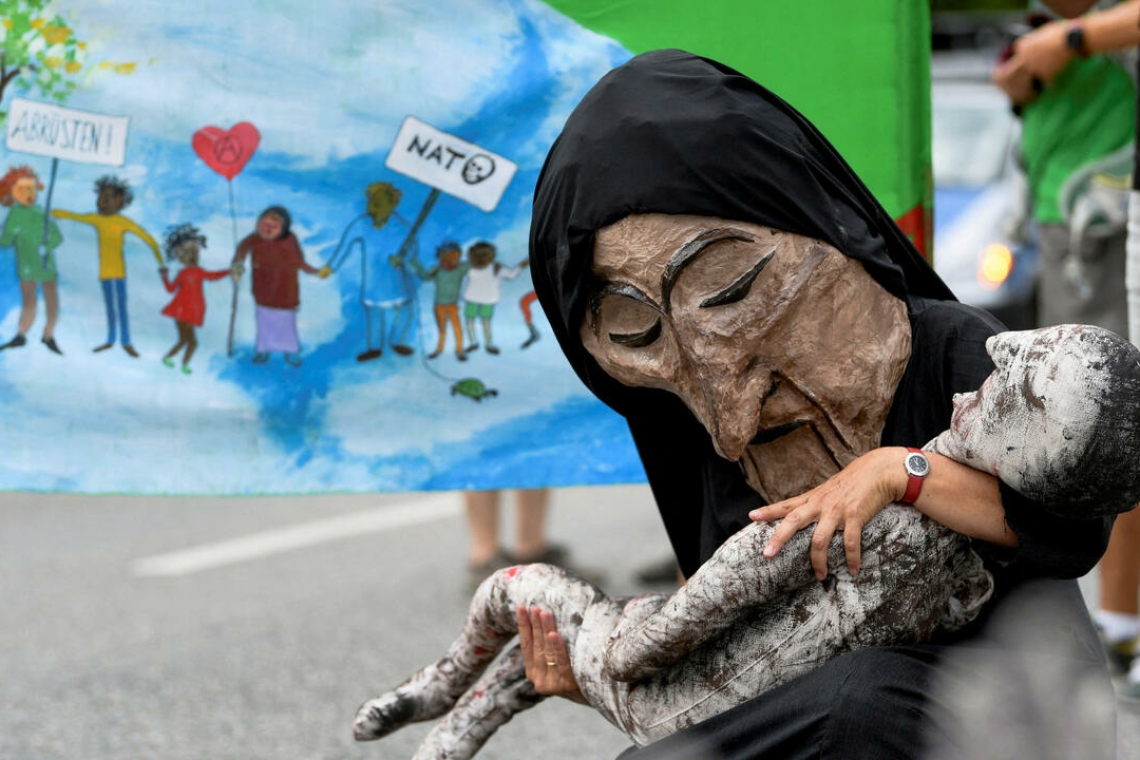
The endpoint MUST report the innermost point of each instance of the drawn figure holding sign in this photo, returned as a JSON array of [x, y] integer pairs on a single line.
[[35, 257], [277, 258], [188, 309], [448, 277], [386, 288], [112, 196]]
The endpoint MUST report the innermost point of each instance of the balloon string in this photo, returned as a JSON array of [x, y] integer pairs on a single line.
[[233, 211]]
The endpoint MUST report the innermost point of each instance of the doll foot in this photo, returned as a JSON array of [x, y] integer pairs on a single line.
[[383, 715], [52, 345], [168, 361], [294, 360], [494, 350], [103, 347], [434, 354], [186, 369], [130, 350], [403, 350], [461, 356], [261, 357]]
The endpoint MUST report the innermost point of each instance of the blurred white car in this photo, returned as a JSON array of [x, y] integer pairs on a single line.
[[983, 245]]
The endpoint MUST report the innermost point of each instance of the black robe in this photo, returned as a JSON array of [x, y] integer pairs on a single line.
[[669, 132]]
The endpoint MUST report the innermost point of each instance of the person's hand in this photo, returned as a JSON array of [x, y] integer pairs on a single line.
[[396, 262], [1037, 58], [163, 270], [545, 655], [236, 271], [324, 272], [524, 263], [846, 501]]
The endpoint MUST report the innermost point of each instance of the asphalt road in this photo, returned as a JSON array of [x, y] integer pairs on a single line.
[[253, 628]]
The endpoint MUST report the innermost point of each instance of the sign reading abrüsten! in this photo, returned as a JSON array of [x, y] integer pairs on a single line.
[[66, 133], [449, 164]]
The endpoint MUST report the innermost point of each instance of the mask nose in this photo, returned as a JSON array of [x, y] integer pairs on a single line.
[[729, 405]]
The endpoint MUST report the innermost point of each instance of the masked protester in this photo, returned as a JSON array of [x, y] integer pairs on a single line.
[[716, 273]]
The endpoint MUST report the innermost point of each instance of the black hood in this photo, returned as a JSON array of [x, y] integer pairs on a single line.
[[670, 132]]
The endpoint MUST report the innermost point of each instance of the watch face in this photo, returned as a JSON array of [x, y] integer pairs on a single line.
[[917, 464]]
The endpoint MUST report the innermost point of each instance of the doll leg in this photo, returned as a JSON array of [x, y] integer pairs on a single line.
[[500, 694], [490, 625]]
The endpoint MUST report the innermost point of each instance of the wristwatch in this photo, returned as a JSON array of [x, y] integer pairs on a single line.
[[1075, 39], [917, 468]]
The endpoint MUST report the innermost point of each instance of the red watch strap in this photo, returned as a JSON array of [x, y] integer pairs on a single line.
[[913, 483]]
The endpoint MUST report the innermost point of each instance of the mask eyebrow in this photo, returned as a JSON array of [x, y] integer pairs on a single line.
[[687, 253], [738, 289]]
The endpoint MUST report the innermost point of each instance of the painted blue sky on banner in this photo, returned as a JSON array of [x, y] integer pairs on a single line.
[[327, 92]]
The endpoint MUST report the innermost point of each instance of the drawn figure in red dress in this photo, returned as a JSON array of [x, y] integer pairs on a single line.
[[188, 309]]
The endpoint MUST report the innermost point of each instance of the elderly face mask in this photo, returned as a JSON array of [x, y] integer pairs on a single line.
[[786, 351]]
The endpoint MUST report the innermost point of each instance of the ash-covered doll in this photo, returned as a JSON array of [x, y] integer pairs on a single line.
[[1059, 417], [183, 242]]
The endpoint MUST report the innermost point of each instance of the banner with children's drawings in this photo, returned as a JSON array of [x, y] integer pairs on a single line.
[[262, 248]]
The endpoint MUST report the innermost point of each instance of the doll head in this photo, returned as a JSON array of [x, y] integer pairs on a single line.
[[1058, 420]]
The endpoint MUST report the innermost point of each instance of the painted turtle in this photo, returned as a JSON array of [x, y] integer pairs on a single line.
[[473, 387]]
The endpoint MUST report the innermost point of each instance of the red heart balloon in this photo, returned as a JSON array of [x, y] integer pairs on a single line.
[[226, 151]]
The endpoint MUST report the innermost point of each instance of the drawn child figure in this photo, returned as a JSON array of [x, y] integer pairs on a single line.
[[447, 275], [112, 195], [482, 291], [24, 230], [184, 242], [1060, 419]]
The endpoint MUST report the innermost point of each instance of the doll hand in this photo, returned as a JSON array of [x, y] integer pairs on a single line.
[[396, 262], [324, 272], [846, 501], [545, 655], [163, 270]]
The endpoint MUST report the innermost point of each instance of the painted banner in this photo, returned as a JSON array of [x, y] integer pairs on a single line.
[[339, 205]]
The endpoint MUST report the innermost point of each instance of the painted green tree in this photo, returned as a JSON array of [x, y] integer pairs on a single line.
[[41, 54]]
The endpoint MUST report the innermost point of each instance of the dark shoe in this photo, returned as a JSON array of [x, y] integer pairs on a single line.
[[533, 336], [559, 555], [130, 350], [51, 344], [369, 355], [471, 347], [493, 350], [294, 360], [403, 350], [103, 347], [659, 573], [261, 357], [434, 354], [476, 574], [16, 342], [461, 356]]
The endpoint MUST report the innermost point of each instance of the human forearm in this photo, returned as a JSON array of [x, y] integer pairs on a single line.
[[961, 498], [1113, 29]]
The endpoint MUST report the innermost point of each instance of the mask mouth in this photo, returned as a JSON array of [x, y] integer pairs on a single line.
[[774, 433]]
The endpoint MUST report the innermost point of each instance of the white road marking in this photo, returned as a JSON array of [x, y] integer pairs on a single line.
[[264, 544]]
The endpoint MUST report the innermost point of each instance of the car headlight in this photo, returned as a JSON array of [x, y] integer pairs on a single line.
[[995, 265]]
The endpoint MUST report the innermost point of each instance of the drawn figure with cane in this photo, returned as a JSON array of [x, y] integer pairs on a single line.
[[35, 237], [276, 258]]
